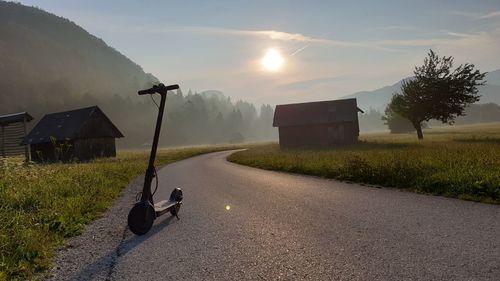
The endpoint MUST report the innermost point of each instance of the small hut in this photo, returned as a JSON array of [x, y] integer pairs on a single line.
[[317, 124], [12, 132], [81, 134]]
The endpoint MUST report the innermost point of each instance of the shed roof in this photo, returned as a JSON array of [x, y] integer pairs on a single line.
[[15, 117], [315, 113], [70, 125]]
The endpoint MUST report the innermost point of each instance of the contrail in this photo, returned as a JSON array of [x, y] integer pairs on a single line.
[[300, 49], [305, 46]]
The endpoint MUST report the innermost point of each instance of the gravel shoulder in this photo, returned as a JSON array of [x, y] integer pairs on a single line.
[[92, 255]]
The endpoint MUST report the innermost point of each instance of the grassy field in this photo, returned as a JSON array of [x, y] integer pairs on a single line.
[[41, 205], [461, 162]]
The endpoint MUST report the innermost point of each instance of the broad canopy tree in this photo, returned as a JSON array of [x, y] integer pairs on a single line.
[[437, 92]]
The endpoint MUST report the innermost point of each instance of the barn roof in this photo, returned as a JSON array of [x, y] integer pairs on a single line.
[[71, 124], [15, 117], [315, 113]]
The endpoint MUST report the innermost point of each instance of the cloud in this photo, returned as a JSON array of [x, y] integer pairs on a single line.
[[381, 45], [480, 48], [307, 83], [490, 15], [466, 14], [457, 34], [412, 42], [440, 39], [397, 28], [271, 34], [477, 16]]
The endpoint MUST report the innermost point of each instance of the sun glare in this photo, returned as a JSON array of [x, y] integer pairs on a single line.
[[272, 60]]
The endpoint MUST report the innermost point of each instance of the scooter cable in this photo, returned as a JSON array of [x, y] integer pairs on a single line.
[[139, 194], [156, 180]]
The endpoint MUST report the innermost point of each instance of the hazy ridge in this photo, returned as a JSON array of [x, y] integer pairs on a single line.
[[379, 98]]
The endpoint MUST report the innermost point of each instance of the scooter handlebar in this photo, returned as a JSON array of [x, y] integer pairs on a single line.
[[160, 89]]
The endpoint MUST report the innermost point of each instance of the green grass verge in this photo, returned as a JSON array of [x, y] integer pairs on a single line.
[[41, 205], [459, 162]]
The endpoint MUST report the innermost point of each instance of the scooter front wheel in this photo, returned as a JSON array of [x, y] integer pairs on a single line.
[[141, 218]]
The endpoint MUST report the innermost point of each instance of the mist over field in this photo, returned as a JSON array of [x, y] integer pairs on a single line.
[[50, 64], [374, 103]]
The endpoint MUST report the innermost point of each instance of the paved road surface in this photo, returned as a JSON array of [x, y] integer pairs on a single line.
[[290, 227]]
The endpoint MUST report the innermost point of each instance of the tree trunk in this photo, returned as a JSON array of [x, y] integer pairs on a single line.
[[418, 127]]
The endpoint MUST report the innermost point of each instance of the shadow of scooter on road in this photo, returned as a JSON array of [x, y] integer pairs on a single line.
[[104, 266]]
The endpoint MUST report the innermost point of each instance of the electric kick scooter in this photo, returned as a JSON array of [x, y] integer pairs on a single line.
[[145, 211]]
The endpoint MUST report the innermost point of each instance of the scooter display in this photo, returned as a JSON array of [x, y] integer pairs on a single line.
[[145, 211]]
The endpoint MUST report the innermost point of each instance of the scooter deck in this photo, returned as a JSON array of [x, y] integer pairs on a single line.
[[164, 206]]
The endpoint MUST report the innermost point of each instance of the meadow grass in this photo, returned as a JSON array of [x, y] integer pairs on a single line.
[[41, 205], [461, 162]]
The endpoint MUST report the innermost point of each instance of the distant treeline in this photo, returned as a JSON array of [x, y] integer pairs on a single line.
[[371, 120], [203, 118]]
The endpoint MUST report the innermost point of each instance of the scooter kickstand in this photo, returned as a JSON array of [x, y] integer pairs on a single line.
[[177, 215]]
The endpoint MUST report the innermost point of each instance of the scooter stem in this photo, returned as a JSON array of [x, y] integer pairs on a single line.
[[148, 178]]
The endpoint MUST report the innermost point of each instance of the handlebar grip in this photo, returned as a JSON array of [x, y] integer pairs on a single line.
[[146, 92], [160, 89], [171, 87]]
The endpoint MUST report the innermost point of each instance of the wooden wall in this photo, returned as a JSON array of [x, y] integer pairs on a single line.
[[318, 136], [78, 150], [86, 149], [11, 136]]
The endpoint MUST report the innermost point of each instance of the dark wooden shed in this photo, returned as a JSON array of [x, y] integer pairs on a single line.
[[80, 134], [12, 132], [317, 124]]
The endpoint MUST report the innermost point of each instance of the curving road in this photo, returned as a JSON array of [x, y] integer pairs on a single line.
[[289, 227]]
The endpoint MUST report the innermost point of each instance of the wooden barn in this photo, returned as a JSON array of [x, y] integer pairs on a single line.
[[317, 124], [81, 134], [12, 132]]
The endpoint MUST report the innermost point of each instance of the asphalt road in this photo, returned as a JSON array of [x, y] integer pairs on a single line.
[[290, 227]]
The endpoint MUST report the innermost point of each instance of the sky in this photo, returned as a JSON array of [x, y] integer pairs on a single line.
[[329, 48]]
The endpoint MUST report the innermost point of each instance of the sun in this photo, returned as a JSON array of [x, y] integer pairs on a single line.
[[272, 60]]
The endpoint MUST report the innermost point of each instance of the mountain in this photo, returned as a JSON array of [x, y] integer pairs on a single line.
[[49, 64], [493, 77], [376, 99], [379, 98]]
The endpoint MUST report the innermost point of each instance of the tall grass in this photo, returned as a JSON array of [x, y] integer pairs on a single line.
[[462, 163], [41, 205]]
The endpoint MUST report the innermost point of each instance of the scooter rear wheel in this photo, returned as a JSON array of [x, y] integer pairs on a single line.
[[176, 196], [141, 218]]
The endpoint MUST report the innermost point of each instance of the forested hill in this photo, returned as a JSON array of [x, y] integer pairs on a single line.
[[50, 64]]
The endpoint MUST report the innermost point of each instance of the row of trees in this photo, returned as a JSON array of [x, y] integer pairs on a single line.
[[211, 117]]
